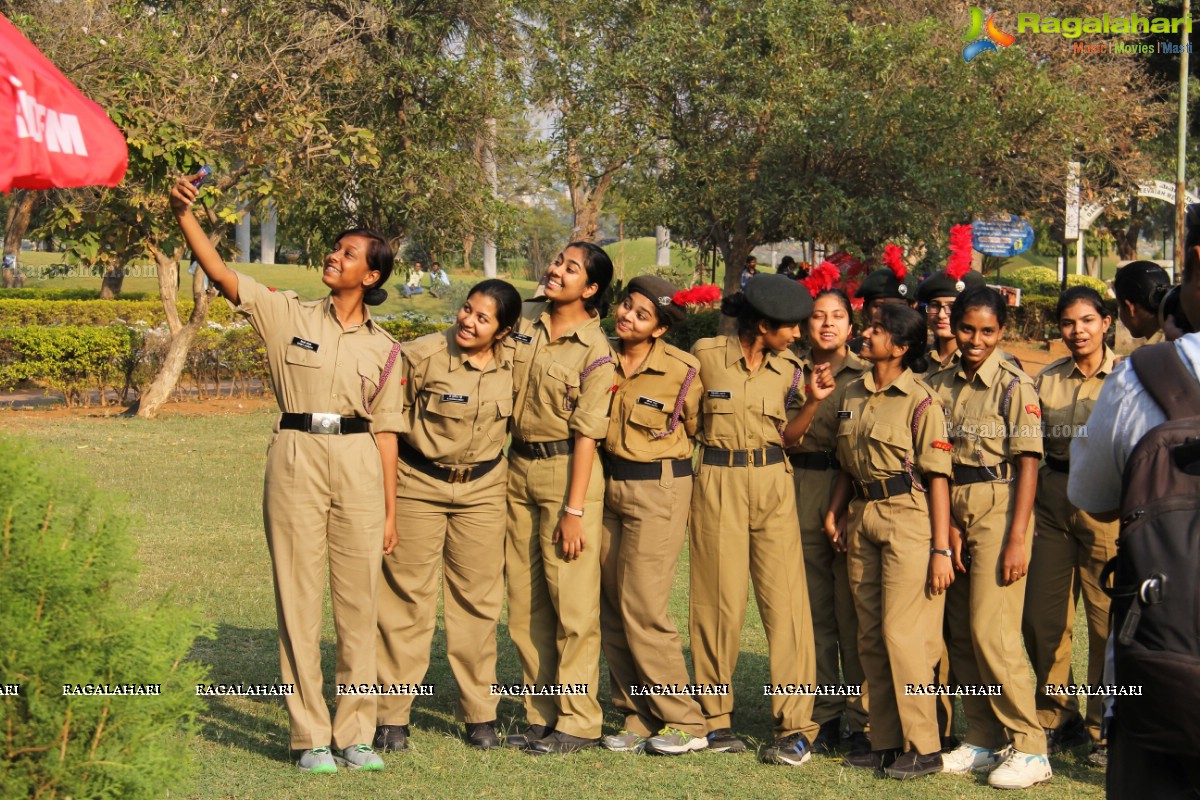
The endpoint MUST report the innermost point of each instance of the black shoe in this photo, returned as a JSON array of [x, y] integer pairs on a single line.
[[828, 738], [914, 765], [1071, 733], [391, 737], [872, 759], [859, 743], [1099, 756], [724, 740], [482, 735], [559, 743], [788, 751], [522, 740]]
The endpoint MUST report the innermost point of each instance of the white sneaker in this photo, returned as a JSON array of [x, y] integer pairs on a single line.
[[1020, 771], [967, 758]]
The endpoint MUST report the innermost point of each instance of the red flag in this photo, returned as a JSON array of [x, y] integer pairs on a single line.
[[50, 134]]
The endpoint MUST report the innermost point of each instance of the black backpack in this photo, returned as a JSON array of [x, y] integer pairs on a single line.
[[1156, 572]]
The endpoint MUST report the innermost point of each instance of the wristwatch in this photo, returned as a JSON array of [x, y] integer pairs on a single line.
[[948, 553]]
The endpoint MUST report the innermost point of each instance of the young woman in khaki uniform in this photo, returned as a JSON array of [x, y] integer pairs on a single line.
[[458, 394], [563, 373], [815, 465], [744, 511], [1071, 546], [897, 532], [330, 484], [648, 464], [996, 432]]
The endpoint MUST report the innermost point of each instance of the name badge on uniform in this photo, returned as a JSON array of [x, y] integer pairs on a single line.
[[523, 338], [456, 398], [845, 415], [646, 401], [305, 343], [716, 395]]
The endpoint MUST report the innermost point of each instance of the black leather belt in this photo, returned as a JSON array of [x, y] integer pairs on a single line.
[[1058, 464], [823, 460], [968, 475], [763, 457], [322, 423], [620, 469], [881, 490], [561, 447], [411, 456]]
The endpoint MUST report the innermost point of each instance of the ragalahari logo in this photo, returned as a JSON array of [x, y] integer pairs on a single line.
[[983, 37]]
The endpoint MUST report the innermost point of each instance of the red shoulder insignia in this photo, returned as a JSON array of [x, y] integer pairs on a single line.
[[940, 445], [1035, 409]]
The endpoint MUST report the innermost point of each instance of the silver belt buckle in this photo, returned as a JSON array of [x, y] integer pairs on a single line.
[[325, 423]]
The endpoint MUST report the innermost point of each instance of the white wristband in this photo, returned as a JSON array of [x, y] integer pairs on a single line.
[[574, 512]]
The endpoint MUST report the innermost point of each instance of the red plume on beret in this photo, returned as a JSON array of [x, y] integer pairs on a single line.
[[702, 295], [893, 256], [959, 263], [824, 277]]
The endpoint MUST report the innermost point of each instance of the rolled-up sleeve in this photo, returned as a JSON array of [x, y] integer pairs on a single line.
[[265, 308], [932, 442], [590, 416], [387, 411]]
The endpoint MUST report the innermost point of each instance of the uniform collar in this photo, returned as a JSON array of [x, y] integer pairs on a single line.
[[772, 359], [987, 371], [656, 359], [332, 313], [1106, 366], [543, 319], [458, 357], [852, 362], [904, 383]]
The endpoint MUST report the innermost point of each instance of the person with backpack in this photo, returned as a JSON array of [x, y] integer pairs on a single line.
[[996, 434], [1141, 447], [890, 509], [1071, 546]]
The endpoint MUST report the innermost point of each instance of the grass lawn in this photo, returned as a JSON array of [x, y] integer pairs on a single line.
[[194, 484]]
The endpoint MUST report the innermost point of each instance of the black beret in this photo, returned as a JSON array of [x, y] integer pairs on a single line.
[[659, 292], [779, 298], [882, 283], [939, 284]]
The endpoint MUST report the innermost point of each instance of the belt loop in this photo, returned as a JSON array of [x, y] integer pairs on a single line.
[[730, 454]]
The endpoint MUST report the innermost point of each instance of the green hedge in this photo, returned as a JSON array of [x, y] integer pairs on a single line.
[[116, 360], [68, 617], [1044, 282], [67, 294], [98, 312]]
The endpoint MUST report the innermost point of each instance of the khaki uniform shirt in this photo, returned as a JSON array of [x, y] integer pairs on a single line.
[[644, 403], [741, 410], [316, 366], [874, 429], [553, 399], [822, 434], [457, 413], [1067, 400], [936, 363], [980, 435]]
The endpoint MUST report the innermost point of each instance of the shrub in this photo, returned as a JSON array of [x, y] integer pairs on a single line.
[[1044, 281], [695, 326], [67, 579], [97, 312], [67, 294], [407, 329], [70, 359]]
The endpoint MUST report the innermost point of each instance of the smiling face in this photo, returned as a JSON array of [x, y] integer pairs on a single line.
[[476, 327], [878, 344], [780, 338], [1083, 329], [937, 316], [566, 279], [346, 267], [978, 333], [829, 325], [637, 319]]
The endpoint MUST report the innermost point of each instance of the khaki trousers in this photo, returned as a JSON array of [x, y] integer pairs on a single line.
[[323, 508], [1069, 551], [984, 619], [554, 604], [899, 621], [450, 531], [644, 526], [744, 525], [835, 625]]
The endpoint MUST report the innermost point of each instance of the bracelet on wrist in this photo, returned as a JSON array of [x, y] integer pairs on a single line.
[[574, 512]]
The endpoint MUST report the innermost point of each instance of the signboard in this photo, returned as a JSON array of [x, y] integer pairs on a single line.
[[1071, 228], [1002, 237]]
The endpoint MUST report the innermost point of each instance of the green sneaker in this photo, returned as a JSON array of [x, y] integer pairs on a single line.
[[673, 742], [360, 756], [318, 760], [624, 742]]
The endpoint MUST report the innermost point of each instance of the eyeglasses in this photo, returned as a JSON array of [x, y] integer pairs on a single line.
[[936, 309]]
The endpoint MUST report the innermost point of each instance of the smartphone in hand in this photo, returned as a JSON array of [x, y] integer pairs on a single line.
[[205, 172]]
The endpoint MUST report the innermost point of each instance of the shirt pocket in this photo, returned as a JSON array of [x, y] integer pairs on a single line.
[[446, 419], [368, 375], [561, 387], [300, 357], [774, 413], [644, 422], [498, 429], [888, 445]]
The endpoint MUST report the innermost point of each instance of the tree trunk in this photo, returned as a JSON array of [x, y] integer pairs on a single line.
[[110, 285], [489, 171], [468, 244], [587, 223], [19, 215], [734, 250]]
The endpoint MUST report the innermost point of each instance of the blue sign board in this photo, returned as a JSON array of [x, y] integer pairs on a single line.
[[1001, 237]]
